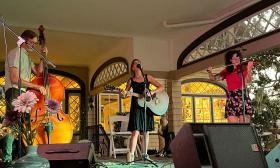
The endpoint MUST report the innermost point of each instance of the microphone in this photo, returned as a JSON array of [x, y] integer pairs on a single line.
[[20, 41], [139, 66]]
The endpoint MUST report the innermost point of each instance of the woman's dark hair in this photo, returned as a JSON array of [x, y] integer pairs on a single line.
[[28, 34], [228, 57], [132, 62]]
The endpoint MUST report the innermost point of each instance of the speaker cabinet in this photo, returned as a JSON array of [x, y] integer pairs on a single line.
[[78, 155], [183, 149], [218, 146], [234, 145], [273, 157]]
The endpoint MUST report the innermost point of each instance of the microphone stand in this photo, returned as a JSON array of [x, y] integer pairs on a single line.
[[46, 62], [145, 156], [49, 125], [19, 87], [22, 40], [243, 91]]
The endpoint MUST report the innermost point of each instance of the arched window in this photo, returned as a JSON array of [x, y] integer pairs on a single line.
[[72, 103], [108, 72], [114, 71], [203, 102], [254, 22]]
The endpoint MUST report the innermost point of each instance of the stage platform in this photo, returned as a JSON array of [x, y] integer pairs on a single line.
[[120, 162]]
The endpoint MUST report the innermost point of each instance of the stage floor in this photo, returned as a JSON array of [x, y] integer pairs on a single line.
[[120, 161]]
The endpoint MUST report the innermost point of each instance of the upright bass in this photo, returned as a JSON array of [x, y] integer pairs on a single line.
[[62, 130]]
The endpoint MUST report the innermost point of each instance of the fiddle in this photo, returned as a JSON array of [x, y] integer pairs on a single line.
[[243, 64]]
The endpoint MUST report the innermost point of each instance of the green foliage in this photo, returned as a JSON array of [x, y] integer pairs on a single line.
[[265, 88]]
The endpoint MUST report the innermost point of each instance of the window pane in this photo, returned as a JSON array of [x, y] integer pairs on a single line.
[[202, 109], [74, 111], [219, 110], [109, 105], [2, 99], [126, 105], [202, 88], [67, 82], [187, 109]]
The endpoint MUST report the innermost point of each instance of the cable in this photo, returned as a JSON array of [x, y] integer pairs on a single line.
[[99, 164], [5, 37], [6, 48], [167, 164]]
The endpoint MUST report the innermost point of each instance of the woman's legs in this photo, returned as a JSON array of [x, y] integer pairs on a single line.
[[132, 145], [240, 119], [247, 119], [146, 144], [232, 119], [133, 141]]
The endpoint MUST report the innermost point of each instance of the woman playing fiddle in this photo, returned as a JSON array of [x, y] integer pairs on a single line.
[[237, 77]]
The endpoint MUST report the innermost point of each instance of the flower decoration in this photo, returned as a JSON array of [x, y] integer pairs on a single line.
[[25, 102], [52, 106], [4, 130], [19, 119]]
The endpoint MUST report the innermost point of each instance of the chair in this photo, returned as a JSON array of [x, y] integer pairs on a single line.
[[121, 133], [100, 139]]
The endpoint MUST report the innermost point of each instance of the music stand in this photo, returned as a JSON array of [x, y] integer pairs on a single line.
[[243, 89]]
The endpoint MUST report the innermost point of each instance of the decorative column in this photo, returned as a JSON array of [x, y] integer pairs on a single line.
[[175, 120]]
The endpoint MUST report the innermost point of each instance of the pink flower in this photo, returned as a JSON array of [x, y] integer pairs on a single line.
[[24, 102], [52, 106]]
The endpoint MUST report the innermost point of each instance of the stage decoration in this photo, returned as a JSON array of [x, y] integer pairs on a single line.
[[52, 107], [4, 130], [22, 127], [32, 159], [25, 102], [20, 122]]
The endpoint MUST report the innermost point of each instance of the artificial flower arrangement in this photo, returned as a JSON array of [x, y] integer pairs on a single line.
[[19, 120], [52, 106], [4, 130]]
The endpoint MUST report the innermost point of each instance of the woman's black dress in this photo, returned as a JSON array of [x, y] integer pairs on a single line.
[[136, 116]]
